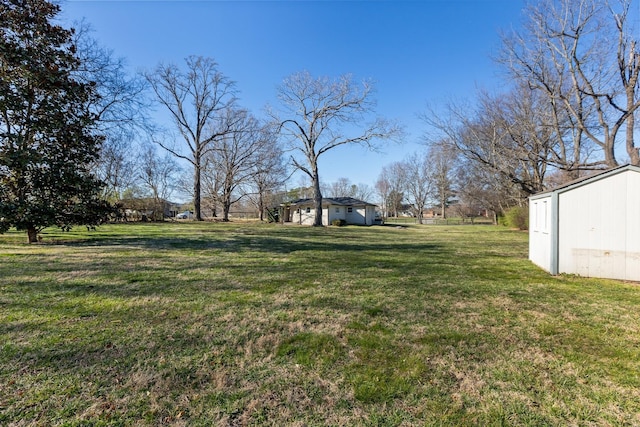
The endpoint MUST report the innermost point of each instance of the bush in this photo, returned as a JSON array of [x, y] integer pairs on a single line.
[[338, 222], [516, 217]]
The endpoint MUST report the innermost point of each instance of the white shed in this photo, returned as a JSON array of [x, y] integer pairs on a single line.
[[589, 227]]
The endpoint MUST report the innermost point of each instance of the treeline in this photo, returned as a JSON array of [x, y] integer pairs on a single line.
[[569, 109], [77, 135]]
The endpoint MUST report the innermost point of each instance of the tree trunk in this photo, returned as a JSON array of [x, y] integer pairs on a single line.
[[226, 207], [32, 235], [196, 191], [610, 152], [632, 150], [317, 199], [261, 206]]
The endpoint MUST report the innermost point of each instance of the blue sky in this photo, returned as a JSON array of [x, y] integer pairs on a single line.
[[416, 52]]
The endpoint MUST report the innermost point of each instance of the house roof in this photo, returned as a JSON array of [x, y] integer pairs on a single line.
[[339, 201], [588, 179]]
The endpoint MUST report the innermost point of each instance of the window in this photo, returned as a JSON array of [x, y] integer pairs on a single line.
[[337, 210], [308, 210], [349, 210]]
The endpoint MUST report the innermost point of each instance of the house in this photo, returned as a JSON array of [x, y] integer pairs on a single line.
[[589, 227], [352, 211], [146, 208]]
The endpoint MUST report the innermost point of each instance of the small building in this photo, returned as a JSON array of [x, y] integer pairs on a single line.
[[589, 227], [352, 211]]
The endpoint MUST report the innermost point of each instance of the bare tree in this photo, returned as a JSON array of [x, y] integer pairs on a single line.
[[158, 174], [383, 188], [493, 135], [418, 182], [121, 109], [320, 114], [392, 181], [116, 166], [343, 187], [481, 189], [212, 181], [270, 172], [340, 188], [442, 164], [197, 101], [239, 156], [362, 191], [582, 55]]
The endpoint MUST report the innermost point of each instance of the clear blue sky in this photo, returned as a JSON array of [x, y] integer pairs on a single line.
[[417, 52]]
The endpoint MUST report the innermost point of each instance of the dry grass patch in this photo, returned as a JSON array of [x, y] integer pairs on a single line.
[[221, 324]]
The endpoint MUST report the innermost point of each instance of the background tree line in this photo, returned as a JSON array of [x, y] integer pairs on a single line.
[[78, 135], [570, 110]]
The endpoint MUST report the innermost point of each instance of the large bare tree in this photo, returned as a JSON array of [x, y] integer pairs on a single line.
[[269, 175], [320, 114], [442, 164], [197, 100], [501, 133], [418, 183], [391, 186], [239, 156], [582, 55], [121, 109], [158, 174]]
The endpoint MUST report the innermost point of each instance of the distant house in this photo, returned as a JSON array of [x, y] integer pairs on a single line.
[[147, 208], [352, 211], [589, 227]]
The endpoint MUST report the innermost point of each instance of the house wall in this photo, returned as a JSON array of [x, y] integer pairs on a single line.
[[301, 216], [598, 229], [334, 212], [357, 215], [540, 231], [363, 215]]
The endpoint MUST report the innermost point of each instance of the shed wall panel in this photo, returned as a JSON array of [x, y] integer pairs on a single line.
[[633, 227], [592, 237]]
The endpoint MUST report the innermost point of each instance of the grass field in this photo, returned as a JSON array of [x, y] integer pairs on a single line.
[[242, 324]]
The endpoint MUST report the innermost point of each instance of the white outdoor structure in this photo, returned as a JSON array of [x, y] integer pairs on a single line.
[[352, 211], [590, 227]]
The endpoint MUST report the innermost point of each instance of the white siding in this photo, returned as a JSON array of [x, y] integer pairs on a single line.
[[357, 215], [371, 214], [596, 228], [335, 212], [360, 215], [303, 216], [633, 227]]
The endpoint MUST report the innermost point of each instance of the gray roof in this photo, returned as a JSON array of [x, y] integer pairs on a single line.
[[340, 201], [587, 179]]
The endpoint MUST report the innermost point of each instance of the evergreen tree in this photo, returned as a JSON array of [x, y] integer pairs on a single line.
[[47, 133]]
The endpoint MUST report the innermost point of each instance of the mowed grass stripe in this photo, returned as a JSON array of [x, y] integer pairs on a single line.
[[252, 324]]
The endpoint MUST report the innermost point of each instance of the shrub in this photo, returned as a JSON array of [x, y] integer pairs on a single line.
[[338, 222], [516, 217]]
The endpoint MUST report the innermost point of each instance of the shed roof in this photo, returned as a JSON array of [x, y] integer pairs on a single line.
[[587, 180]]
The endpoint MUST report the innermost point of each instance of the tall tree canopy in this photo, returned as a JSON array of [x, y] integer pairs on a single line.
[[197, 101], [47, 137]]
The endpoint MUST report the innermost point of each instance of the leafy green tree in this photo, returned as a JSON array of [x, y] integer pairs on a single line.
[[47, 133]]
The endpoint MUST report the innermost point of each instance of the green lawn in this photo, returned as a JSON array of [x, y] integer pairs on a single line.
[[243, 324]]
